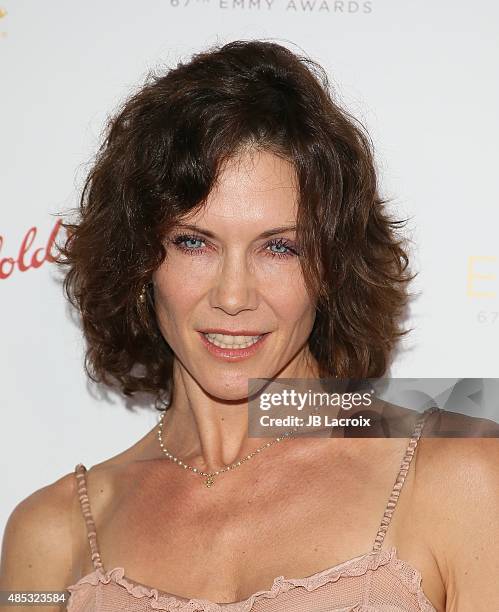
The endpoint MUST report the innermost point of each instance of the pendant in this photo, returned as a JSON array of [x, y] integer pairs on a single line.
[[209, 481]]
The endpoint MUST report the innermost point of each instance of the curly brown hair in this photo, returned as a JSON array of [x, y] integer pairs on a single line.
[[159, 160]]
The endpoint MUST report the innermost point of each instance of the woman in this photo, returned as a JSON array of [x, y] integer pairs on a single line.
[[231, 229]]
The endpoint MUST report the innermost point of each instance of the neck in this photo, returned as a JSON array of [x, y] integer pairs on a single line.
[[208, 433]]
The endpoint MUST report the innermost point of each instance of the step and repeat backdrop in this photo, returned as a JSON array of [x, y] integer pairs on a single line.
[[421, 76]]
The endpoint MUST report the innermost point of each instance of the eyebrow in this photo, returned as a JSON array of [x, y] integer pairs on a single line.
[[265, 234]]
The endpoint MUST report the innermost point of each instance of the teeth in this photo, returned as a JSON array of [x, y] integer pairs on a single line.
[[224, 341]]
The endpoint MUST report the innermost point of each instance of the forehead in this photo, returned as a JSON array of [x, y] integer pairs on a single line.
[[255, 189]]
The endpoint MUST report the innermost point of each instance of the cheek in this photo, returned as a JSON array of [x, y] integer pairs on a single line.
[[179, 276], [177, 298], [291, 303], [176, 293]]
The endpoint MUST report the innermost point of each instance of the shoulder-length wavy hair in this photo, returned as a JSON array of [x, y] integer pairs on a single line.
[[161, 156]]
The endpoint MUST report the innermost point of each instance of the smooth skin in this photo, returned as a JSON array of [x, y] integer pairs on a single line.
[[298, 507]]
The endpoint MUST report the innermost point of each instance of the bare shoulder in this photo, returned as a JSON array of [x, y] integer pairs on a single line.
[[455, 467], [37, 541], [457, 488], [105, 481]]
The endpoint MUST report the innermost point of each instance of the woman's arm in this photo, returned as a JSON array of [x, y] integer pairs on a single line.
[[37, 543], [462, 516]]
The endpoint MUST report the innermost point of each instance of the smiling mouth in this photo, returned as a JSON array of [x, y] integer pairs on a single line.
[[231, 342]]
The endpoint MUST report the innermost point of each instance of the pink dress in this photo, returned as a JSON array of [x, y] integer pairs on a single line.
[[377, 581]]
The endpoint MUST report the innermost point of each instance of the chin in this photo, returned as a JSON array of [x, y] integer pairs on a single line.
[[229, 387]]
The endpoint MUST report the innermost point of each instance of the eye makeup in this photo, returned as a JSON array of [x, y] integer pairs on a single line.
[[180, 240]]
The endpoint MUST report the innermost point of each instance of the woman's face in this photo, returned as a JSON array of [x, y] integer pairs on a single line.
[[222, 273]]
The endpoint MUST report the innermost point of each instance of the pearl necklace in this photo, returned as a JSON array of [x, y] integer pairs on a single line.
[[210, 476]]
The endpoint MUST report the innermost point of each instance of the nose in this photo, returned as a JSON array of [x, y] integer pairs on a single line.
[[234, 289]]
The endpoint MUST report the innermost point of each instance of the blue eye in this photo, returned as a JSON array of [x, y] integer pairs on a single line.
[[282, 244], [181, 241]]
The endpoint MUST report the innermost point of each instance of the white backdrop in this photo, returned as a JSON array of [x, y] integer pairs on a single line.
[[422, 77]]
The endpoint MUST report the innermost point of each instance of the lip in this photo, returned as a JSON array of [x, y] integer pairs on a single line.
[[233, 354], [229, 332]]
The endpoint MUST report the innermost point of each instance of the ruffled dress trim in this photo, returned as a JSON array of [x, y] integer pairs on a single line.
[[161, 600]]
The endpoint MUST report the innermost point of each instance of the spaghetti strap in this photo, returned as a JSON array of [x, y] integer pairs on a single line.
[[80, 473], [399, 481]]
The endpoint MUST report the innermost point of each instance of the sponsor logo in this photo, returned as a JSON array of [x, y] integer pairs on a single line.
[[28, 257]]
